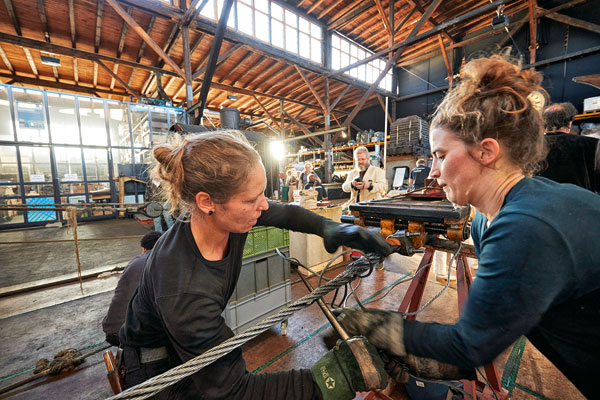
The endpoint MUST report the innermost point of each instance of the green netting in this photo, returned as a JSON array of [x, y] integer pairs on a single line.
[[263, 239]]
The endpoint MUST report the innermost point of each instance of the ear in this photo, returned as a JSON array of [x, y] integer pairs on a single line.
[[204, 202], [488, 151]]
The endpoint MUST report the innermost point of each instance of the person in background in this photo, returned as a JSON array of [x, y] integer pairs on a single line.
[[419, 174], [304, 176], [539, 262], [571, 158], [365, 182], [292, 179], [217, 181], [314, 183], [126, 288]]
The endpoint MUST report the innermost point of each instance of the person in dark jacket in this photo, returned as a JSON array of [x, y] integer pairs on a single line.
[[571, 158], [539, 262], [419, 174], [217, 181], [126, 288]]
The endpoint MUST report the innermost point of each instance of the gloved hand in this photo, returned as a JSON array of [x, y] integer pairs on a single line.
[[385, 330], [340, 374], [335, 235]]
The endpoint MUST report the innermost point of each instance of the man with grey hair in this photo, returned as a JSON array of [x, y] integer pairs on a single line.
[[365, 182]]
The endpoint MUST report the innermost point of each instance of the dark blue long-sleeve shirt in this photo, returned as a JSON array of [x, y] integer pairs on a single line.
[[539, 276]]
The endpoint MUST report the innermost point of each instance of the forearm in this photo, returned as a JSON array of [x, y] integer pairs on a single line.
[[292, 217], [291, 385]]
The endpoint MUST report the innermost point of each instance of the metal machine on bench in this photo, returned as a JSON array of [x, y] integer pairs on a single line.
[[413, 223]]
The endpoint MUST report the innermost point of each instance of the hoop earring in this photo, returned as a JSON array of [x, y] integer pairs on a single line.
[[210, 212]]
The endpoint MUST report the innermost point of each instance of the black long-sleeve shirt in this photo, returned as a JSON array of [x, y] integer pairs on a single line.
[[179, 304]]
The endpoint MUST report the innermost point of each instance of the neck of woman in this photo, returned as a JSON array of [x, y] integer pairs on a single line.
[[211, 241], [496, 190]]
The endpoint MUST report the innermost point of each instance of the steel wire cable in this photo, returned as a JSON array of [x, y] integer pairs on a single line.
[[172, 376]]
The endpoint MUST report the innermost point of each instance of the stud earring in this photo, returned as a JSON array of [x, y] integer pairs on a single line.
[[210, 212]]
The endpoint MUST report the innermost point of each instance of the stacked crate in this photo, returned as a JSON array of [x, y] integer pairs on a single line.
[[409, 135], [264, 284]]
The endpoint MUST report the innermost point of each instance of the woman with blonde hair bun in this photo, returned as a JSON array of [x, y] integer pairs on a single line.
[[217, 182], [539, 261]]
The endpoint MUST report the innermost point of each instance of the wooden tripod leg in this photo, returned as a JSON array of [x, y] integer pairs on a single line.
[[414, 294]]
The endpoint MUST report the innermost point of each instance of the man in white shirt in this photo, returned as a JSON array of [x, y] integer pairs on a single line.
[[365, 182]]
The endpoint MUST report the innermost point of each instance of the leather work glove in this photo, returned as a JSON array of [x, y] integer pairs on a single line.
[[351, 366], [385, 330], [336, 235]]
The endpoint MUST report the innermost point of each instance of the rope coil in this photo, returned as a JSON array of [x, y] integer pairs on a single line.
[[160, 382]]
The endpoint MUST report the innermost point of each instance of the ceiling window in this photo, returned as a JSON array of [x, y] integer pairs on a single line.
[[271, 23], [345, 52]]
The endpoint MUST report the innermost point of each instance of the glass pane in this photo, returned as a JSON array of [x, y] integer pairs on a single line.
[[78, 198], [231, 20], [96, 164], [9, 216], [262, 26], [9, 191], [304, 25], [369, 77], [361, 54], [291, 18], [262, 5], [93, 124], [304, 45], [209, 10], [335, 41], [143, 157], [353, 50], [29, 108], [344, 60], [39, 190], [362, 72], [68, 164], [315, 50], [176, 117], [139, 126], [122, 162], [316, 31], [63, 121], [6, 126], [245, 20], [99, 192], [277, 11], [291, 39], [9, 167], [160, 126], [35, 163], [277, 33], [345, 45], [118, 124], [335, 59]]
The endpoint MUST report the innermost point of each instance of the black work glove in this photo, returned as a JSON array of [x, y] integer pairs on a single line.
[[385, 330], [340, 374], [353, 236]]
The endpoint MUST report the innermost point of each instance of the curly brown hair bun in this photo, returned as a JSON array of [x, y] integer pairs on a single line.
[[491, 102], [217, 163]]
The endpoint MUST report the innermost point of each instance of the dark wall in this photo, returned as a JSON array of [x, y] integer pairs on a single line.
[[554, 39]]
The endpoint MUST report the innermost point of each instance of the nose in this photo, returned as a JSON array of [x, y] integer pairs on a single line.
[[435, 169], [263, 204]]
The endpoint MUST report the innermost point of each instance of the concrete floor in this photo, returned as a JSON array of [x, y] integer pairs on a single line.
[[39, 324]]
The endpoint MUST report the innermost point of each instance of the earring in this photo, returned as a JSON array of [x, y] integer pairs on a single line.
[[210, 212]]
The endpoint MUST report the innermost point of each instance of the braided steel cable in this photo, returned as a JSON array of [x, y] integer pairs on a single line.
[[172, 376]]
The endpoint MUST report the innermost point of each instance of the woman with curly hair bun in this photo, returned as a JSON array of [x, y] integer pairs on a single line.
[[539, 260]]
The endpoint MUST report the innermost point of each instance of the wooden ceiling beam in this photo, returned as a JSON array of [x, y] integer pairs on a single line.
[[13, 16], [578, 23], [344, 11], [142, 48], [366, 5], [236, 66], [115, 76], [220, 60], [273, 120], [120, 47], [312, 89], [432, 7], [329, 8], [59, 85], [314, 6], [31, 62], [142, 33], [260, 74], [341, 95], [99, 12], [6, 61], [68, 51], [384, 18]]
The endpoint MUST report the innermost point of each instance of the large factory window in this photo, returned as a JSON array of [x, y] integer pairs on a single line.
[[29, 110], [64, 128], [96, 164], [139, 126], [93, 123], [344, 52], [68, 164], [6, 122], [118, 123], [35, 163], [9, 167]]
